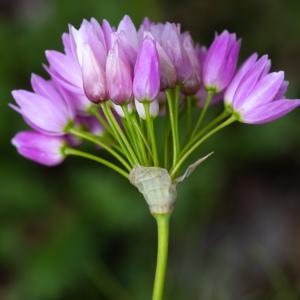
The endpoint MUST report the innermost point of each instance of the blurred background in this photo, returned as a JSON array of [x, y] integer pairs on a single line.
[[80, 231]]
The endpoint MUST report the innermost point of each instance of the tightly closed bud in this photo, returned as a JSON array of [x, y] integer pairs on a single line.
[[128, 38], [172, 43], [146, 83], [43, 149], [220, 62], [91, 52], [191, 84], [118, 75]]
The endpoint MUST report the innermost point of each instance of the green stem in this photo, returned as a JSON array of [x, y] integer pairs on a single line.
[[189, 113], [119, 134], [173, 123], [89, 137], [210, 94], [215, 121], [75, 152], [163, 221], [94, 110], [136, 136], [150, 127], [197, 144]]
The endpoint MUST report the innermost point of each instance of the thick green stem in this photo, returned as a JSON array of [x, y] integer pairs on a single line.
[[75, 152], [163, 221], [197, 144]]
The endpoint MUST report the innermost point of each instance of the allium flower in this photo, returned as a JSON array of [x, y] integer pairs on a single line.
[[256, 96], [91, 52], [118, 74], [146, 83], [191, 84], [45, 109], [220, 62], [66, 72], [43, 149], [112, 86]]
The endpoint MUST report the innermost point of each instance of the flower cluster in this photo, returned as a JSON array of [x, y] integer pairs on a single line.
[[111, 83]]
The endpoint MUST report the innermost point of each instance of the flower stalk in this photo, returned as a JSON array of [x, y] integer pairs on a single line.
[[163, 224]]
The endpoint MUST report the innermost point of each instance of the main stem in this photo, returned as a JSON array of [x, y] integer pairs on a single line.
[[162, 221]]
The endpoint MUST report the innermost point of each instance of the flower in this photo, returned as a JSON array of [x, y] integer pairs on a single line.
[[118, 74], [146, 82], [191, 84], [43, 149], [256, 96], [90, 46], [65, 71], [45, 109], [220, 61]]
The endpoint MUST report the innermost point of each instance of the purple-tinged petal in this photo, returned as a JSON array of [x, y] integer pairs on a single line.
[[43, 149], [264, 91], [282, 90], [233, 86], [191, 84], [171, 42], [250, 81], [118, 75], [64, 69], [107, 31], [126, 25], [220, 62], [49, 115], [167, 69], [230, 63], [94, 81], [269, 112], [146, 83]]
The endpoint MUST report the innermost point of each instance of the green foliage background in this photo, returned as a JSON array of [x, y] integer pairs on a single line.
[[80, 231]]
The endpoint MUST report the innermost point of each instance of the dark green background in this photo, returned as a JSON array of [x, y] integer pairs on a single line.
[[80, 231]]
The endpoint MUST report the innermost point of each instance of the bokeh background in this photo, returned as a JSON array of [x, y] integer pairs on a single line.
[[80, 231]]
